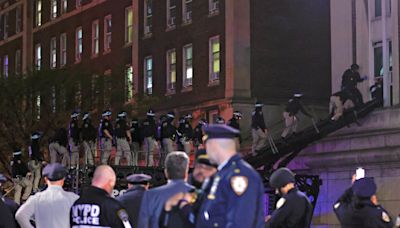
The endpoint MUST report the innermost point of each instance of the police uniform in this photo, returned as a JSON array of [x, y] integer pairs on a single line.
[[88, 133], [187, 134], [74, 139], [20, 177], [234, 123], [149, 132], [96, 208], [51, 207], [132, 198], [293, 209], [292, 109], [35, 163], [9, 204], [350, 79], [168, 135], [136, 141], [355, 208], [123, 139], [236, 195], [258, 128], [58, 148], [106, 141], [377, 89], [6, 217], [339, 101], [198, 134]]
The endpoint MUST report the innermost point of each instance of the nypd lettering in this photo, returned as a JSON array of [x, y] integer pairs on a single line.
[[86, 214]]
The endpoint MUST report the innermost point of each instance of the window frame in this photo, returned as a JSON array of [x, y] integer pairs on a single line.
[[53, 53], [5, 25], [185, 18], [53, 6], [95, 38], [170, 68], [213, 7], [63, 49], [18, 62], [148, 27], [214, 77], [146, 75], [128, 26], [78, 44], [107, 34], [6, 68], [38, 57], [129, 83], [171, 20], [185, 67], [18, 20], [38, 13]]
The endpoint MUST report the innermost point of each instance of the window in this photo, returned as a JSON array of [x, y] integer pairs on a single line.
[[128, 83], [63, 50], [171, 13], [187, 11], [38, 12], [5, 66], [53, 99], [37, 106], [53, 53], [53, 14], [378, 59], [64, 6], [213, 6], [148, 19], [18, 62], [214, 58], [171, 70], [128, 25], [38, 56], [5, 25], [378, 7], [187, 65], [95, 38], [18, 19], [78, 44], [148, 75], [107, 33]]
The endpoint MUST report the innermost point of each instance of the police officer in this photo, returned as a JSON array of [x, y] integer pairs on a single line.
[[198, 134], [187, 133], [168, 136], [132, 198], [293, 209], [149, 133], [58, 147], [123, 135], [95, 207], [36, 161], [339, 101], [106, 136], [6, 212], [203, 170], [136, 141], [236, 194], [377, 89], [258, 128], [88, 133], [234, 122], [74, 139], [351, 77], [21, 177], [9, 203], [51, 207], [292, 109], [219, 120], [358, 206]]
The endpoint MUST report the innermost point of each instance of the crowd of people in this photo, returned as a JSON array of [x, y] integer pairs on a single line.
[[222, 190]]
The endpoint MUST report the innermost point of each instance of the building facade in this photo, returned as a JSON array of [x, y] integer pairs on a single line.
[[92, 37], [212, 57]]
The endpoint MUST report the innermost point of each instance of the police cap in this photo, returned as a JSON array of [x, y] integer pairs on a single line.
[[355, 66], [86, 115], [281, 177], [17, 152], [258, 104], [138, 179], [106, 113], [54, 172], [219, 131], [35, 135], [364, 187], [122, 114], [171, 115], [74, 114], [202, 158], [150, 112], [220, 120]]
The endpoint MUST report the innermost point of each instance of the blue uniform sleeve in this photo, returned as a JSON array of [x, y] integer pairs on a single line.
[[280, 215], [144, 213], [246, 209]]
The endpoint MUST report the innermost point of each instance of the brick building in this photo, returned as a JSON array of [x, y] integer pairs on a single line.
[[93, 37], [212, 57]]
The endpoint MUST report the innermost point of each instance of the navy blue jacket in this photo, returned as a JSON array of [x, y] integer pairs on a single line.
[[131, 201], [235, 199]]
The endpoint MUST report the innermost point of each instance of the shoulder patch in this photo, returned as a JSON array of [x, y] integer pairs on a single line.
[[336, 206], [280, 203], [385, 217], [239, 184]]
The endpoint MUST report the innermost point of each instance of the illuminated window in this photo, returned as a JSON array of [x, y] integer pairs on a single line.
[[129, 83], [148, 75], [38, 12], [187, 65], [128, 25], [78, 44], [53, 14], [38, 56], [53, 53], [148, 19], [64, 6], [215, 63], [171, 71], [5, 66]]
